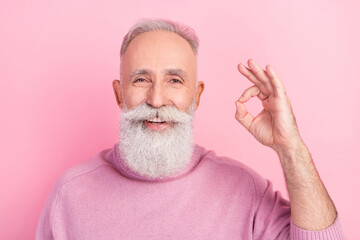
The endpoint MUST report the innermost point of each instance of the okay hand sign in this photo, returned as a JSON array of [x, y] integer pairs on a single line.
[[275, 125]]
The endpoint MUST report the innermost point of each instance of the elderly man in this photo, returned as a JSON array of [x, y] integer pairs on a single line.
[[155, 183]]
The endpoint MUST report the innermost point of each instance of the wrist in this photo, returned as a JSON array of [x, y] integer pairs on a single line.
[[293, 153]]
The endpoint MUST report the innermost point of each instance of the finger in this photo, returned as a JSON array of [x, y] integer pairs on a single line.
[[260, 74], [251, 76], [275, 81], [252, 92], [248, 74], [243, 116]]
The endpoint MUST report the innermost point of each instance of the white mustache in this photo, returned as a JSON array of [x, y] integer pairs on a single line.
[[164, 113]]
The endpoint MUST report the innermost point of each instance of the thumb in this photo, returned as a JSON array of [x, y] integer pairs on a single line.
[[243, 116]]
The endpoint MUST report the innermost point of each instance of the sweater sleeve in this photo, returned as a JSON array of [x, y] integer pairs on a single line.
[[44, 227], [273, 218], [332, 232]]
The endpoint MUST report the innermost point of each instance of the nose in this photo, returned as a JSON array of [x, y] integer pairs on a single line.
[[157, 95]]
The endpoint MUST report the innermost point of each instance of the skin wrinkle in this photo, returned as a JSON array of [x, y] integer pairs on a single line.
[[171, 54], [169, 72]]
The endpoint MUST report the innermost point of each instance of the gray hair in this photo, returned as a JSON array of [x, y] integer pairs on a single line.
[[148, 25]]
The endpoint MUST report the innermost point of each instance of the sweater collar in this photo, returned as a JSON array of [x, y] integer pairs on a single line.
[[120, 165]]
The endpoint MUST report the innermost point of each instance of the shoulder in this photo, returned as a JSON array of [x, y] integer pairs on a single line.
[[81, 171], [85, 169], [81, 178], [236, 169]]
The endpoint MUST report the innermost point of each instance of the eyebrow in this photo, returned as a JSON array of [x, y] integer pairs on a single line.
[[141, 71], [170, 71], [175, 71]]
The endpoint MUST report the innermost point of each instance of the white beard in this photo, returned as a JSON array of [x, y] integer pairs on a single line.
[[153, 153]]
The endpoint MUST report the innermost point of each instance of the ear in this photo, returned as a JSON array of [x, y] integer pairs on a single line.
[[200, 88], [117, 90]]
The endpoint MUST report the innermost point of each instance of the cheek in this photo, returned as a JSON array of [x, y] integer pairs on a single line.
[[182, 99], [133, 98]]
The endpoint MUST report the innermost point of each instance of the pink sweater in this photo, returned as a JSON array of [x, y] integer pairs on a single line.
[[213, 198]]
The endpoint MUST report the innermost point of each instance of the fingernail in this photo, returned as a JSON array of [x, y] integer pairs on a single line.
[[253, 63]]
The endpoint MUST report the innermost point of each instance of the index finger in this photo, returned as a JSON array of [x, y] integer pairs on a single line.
[[251, 76]]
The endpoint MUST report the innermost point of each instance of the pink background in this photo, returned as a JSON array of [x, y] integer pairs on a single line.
[[58, 59]]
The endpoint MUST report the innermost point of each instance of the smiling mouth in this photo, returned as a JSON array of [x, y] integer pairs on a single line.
[[156, 124], [153, 122]]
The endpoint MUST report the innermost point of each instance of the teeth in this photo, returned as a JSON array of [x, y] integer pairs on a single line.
[[156, 121]]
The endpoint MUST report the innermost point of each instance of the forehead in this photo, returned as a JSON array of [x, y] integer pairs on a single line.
[[159, 50]]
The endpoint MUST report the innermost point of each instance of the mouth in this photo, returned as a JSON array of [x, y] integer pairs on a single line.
[[156, 124]]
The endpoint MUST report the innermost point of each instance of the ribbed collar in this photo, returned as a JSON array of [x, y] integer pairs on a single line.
[[123, 169]]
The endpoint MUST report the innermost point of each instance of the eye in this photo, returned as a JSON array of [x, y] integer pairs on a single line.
[[140, 80], [174, 80]]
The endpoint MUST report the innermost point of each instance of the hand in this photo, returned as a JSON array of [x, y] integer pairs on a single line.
[[275, 125]]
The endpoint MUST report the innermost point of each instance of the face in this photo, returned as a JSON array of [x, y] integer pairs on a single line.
[[158, 68]]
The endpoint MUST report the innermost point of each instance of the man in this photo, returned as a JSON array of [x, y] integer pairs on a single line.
[[155, 183]]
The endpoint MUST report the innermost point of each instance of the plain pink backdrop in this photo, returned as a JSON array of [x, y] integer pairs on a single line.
[[58, 60]]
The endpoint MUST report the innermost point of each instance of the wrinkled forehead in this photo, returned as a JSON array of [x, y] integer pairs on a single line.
[[159, 50]]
